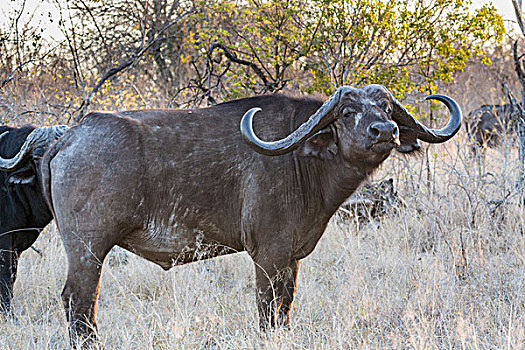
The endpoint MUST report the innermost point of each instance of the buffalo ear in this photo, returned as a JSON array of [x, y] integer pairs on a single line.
[[24, 176], [408, 139], [320, 145]]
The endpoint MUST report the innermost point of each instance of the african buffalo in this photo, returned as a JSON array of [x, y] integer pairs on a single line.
[[176, 186], [486, 124], [23, 208]]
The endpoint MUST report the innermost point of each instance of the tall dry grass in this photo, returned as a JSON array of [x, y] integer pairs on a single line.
[[446, 271]]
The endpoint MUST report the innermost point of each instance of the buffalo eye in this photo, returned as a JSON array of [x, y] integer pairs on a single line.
[[348, 112]]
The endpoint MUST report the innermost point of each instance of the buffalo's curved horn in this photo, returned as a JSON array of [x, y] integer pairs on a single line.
[[401, 116], [39, 138], [320, 119]]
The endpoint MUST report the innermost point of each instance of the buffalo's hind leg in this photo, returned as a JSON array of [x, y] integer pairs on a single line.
[[80, 294]]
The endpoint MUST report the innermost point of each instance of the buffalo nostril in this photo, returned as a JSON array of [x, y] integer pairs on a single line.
[[374, 132], [395, 132]]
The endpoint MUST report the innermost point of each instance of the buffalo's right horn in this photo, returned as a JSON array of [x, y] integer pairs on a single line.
[[316, 122], [39, 138]]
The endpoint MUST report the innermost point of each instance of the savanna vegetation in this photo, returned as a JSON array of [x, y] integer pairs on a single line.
[[447, 270]]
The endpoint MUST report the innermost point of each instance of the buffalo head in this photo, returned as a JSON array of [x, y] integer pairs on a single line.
[[36, 143], [362, 124]]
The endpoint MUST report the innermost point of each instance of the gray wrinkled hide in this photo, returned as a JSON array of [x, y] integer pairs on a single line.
[[167, 185]]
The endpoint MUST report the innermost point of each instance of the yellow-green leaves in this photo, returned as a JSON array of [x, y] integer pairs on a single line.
[[317, 45]]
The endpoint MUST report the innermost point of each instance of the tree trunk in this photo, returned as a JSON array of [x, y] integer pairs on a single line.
[[520, 130]]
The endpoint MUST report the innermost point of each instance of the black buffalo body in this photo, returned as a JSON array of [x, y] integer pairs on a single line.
[[23, 209], [486, 124]]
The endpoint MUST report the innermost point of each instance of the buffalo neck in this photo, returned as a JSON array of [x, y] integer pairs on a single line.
[[326, 183]]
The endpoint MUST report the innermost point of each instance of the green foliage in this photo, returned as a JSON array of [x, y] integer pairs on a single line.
[[272, 35], [318, 45]]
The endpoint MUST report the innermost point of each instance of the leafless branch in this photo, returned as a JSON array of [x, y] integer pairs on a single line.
[[97, 27], [17, 39], [517, 63], [517, 11], [233, 58], [13, 73], [515, 106], [269, 83], [141, 50]]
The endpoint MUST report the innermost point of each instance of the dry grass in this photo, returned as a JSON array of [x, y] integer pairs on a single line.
[[447, 271]]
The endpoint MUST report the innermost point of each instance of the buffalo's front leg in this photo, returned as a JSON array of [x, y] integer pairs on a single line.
[[275, 276], [290, 284], [80, 294], [8, 267]]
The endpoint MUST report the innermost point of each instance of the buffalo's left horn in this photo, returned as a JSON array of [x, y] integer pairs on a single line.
[[320, 119], [401, 116], [39, 138]]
